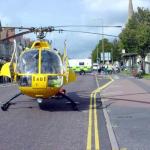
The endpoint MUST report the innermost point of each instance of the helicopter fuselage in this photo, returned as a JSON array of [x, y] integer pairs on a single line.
[[39, 71]]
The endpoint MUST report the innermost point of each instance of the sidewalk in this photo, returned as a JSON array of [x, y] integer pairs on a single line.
[[147, 82], [128, 105]]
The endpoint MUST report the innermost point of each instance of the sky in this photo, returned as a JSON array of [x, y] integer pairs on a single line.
[[45, 13]]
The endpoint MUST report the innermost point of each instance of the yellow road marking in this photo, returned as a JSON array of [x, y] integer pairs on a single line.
[[104, 86], [97, 140], [89, 136], [124, 148], [96, 133]]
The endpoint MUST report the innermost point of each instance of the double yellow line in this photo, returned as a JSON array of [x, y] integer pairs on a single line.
[[93, 118]]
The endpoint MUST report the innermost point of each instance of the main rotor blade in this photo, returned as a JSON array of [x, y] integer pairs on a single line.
[[23, 28], [61, 30], [88, 26], [16, 35]]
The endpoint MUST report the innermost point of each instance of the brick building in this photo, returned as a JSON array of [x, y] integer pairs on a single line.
[[6, 47]]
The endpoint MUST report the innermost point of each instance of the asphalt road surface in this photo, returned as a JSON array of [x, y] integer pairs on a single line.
[[26, 127]]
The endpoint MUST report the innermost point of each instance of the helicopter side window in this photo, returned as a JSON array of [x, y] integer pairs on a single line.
[[51, 62], [28, 62]]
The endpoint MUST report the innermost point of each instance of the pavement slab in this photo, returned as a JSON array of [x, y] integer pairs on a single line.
[[128, 101]]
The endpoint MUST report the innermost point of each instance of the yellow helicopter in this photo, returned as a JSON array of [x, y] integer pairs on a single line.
[[40, 71]]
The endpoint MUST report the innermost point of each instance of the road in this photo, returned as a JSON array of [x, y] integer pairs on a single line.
[[26, 127]]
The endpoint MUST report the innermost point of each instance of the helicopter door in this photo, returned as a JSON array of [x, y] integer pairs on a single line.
[[28, 62], [51, 65]]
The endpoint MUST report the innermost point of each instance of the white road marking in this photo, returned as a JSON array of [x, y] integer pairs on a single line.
[[111, 134]]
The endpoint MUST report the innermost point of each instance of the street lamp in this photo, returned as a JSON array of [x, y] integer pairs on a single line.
[[97, 57], [103, 46], [102, 26], [98, 42]]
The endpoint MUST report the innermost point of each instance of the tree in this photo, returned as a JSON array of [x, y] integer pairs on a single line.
[[136, 35], [116, 52], [107, 48], [128, 39], [111, 47]]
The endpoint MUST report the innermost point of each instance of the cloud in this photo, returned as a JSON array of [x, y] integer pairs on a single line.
[[101, 5], [113, 5], [141, 3], [56, 12], [112, 11]]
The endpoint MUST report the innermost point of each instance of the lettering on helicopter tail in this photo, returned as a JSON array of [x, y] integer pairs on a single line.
[[39, 81]]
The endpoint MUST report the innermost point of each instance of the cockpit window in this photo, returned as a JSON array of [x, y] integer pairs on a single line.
[[51, 62], [28, 62]]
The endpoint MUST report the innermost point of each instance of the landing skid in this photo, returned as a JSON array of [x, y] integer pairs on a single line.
[[61, 94], [6, 105], [74, 105]]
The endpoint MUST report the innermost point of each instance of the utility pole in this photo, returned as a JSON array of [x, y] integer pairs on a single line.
[[97, 57], [112, 61], [102, 55], [103, 43]]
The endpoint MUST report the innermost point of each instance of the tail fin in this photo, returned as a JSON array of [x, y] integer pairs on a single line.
[[65, 58], [70, 75], [8, 69]]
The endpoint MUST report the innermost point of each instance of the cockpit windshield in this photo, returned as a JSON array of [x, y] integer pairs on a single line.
[[28, 62], [51, 62]]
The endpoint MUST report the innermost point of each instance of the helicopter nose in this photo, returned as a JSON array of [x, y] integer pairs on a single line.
[[39, 81]]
